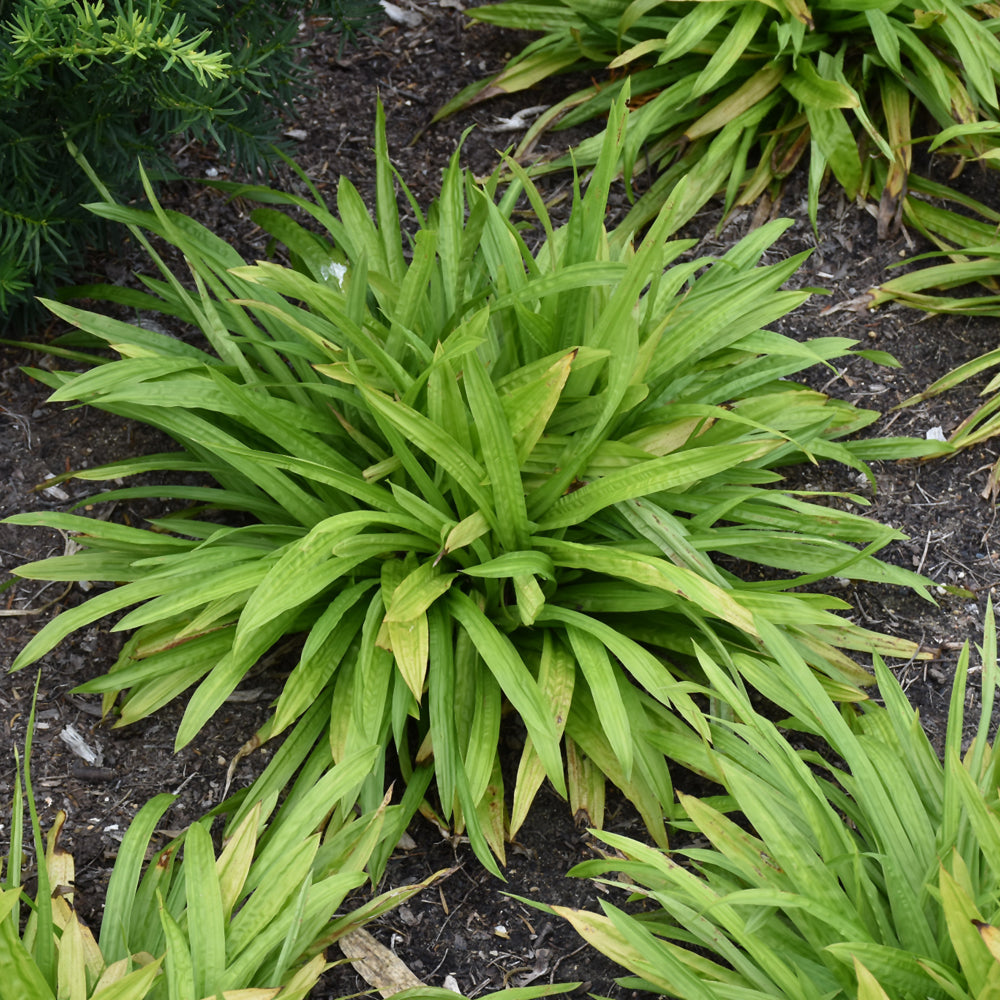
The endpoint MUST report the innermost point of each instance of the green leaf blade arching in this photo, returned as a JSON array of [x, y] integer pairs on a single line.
[[206, 927], [648, 478], [515, 679], [116, 940], [595, 665], [499, 456], [438, 445]]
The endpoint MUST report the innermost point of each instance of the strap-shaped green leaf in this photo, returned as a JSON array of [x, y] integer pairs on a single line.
[[417, 592], [732, 48], [309, 809], [648, 478], [351, 484], [205, 915], [556, 679], [896, 969], [435, 442], [114, 331], [831, 133], [115, 937], [484, 736], [191, 588], [814, 91], [288, 869], [445, 403], [326, 645], [503, 660], [411, 300], [649, 671], [440, 704], [592, 659], [386, 209], [514, 564], [227, 674], [102, 604], [651, 572], [498, 454], [176, 658], [178, 965], [308, 566]]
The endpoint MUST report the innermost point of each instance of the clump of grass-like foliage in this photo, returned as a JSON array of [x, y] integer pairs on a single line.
[[867, 869], [731, 96], [469, 475], [252, 921]]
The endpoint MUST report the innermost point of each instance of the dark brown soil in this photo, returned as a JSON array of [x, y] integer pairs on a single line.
[[468, 928]]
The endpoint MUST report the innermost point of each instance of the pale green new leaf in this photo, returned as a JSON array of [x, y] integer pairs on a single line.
[[509, 669], [205, 912]]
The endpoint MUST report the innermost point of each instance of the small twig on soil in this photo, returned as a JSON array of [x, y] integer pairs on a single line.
[[563, 959], [927, 545], [180, 787], [20, 613], [892, 420]]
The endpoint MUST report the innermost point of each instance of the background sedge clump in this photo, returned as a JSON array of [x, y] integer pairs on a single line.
[[729, 98]]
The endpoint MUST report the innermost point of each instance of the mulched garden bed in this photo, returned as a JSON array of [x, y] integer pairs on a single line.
[[467, 929]]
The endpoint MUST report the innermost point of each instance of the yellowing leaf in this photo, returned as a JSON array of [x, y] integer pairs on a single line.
[[417, 592], [490, 811], [605, 937], [530, 599], [72, 970], [963, 919], [990, 936], [117, 983], [302, 983], [466, 531], [556, 679], [661, 439], [235, 859], [923, 19], [742, 99], [528, 407], [411, 647], [586, 787], [868, 986]]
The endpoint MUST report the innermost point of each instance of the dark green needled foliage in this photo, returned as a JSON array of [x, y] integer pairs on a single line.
[[119, 80]]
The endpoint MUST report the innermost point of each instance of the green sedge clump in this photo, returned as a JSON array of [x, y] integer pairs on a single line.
[[728, 98], [468, 477]]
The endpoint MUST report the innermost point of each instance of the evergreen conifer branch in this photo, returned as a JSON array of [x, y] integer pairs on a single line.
[[119, 79]]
